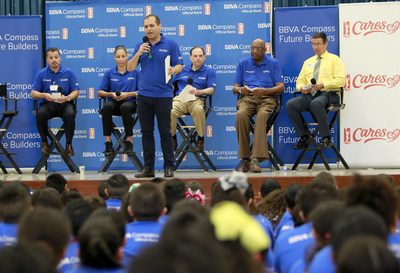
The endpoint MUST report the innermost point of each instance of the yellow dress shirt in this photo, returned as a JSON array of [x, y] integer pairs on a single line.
[[331, 72]]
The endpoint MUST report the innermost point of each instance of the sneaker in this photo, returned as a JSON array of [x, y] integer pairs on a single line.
[[326, 142], [109, 149], [255, 166], [128, 147], [243, 166], [302, 144]]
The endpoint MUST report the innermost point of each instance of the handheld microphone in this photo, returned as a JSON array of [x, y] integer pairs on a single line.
[[118, 93], [190, 81], [146, 40], [59, 89], [313, 81]]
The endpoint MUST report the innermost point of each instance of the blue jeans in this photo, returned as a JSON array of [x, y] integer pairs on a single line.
[[147, 108]]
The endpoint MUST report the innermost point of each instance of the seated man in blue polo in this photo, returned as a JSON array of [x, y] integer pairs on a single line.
[[204, 83], [56, 86], [258, 79]]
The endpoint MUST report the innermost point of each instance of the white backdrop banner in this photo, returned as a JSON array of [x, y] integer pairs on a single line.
[[369, 41]]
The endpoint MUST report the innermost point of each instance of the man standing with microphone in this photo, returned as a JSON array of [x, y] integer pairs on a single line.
[[320, 74], [154, 97]]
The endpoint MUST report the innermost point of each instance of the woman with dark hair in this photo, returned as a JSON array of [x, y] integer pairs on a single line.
[[119, 86], [100, 245]]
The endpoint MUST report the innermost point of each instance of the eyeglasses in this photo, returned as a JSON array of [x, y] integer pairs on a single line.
[[318, 45], [257, 48]]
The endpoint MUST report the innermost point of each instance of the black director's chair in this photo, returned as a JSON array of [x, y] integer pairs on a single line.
[[334, 106], [55, 144], [6, 118], [273, 156], [189, 134], [120, 145]]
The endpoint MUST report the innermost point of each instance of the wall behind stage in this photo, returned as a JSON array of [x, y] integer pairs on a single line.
[[294, 28], [20, 55], [87, 32], [369, 41]]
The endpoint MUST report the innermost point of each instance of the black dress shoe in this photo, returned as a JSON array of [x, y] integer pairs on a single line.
[[45, 148], [302, 144], [325, 143], [69, 150], [109, 149], [147, 172], [169, 172]]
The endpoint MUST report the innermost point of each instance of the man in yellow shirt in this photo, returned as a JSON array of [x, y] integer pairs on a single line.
[[321, 73]]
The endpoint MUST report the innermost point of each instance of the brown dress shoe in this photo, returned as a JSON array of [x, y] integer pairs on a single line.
[[69, 151], [255, 166], [199, 145], [45, 148], [243, 166]]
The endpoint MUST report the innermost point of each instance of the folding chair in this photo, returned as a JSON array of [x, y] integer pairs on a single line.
[[55, 144], [334, 107], [120, 145], [273, 156], [5, 122], [189, 134]]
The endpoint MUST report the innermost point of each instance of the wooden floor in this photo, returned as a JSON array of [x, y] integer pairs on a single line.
[[87, 182]]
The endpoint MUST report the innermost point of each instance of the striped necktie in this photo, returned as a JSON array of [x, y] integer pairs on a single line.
[[316, 73]]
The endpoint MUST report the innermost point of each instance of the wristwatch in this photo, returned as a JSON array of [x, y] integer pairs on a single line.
[[68, 98], [240, 90]]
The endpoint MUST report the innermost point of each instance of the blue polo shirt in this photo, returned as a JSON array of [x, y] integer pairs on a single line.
[[71, 258], [291, 246], [88, 269], [64, 78], [323, 261], [114, 80], [114, 204], [286, 223], [152, 78], [8, 234], [138, 235], [266, 74], [203, 78]]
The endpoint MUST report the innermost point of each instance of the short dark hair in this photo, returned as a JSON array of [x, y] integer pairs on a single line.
[[291, 193], [117, 186], [174, 191], [78, 211], [14, 201], [321, 35], [69, 196], [56, 181], [45, 225], [193, 48], [328, 177], [52, 49], [101, 189], [155, 16], [268, 186], [354, 221], [147, 202], [46, 197], [313, 194]]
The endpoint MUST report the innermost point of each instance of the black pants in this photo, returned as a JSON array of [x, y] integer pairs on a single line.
[[148, 108], [48, 110], [118, 108]]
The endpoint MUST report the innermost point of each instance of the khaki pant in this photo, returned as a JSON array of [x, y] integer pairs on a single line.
[[194, 108], [248, 106]]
